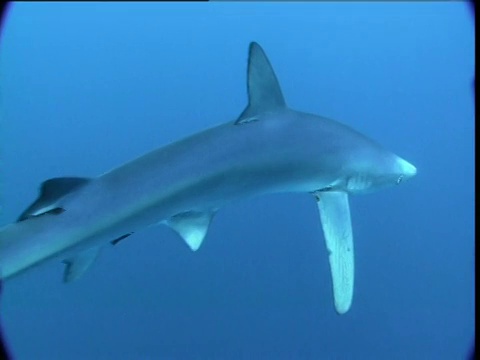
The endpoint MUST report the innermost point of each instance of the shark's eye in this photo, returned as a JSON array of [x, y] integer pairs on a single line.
[[399, 180]]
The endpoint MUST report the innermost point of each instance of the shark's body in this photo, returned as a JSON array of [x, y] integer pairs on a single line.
[[268, 149]]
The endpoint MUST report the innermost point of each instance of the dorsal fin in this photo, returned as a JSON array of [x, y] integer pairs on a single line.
[[264, 92], [51, 191]]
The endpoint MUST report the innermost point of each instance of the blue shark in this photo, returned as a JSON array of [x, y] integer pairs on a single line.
[[269, 148]]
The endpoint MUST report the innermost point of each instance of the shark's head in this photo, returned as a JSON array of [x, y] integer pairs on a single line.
[[357, 163], [378, 170]]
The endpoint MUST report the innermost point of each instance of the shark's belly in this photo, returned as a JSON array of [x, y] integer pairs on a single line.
[[142, 206]]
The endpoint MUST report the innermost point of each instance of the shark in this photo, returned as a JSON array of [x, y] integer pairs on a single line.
[[269, 148]]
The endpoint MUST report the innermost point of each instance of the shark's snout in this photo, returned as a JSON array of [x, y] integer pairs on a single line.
[[406, 169]]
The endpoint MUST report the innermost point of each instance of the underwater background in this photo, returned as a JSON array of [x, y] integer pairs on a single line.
[[86, 87]]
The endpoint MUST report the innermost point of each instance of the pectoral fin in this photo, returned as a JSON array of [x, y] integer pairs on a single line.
[[192, 226], [76, 266], [337, 229]]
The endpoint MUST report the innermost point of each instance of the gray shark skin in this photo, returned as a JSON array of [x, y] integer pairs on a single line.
[[268, 149]]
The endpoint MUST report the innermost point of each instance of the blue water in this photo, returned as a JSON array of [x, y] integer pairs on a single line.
[[86, 87]]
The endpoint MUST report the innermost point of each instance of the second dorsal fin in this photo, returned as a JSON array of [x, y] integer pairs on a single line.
[[51, 191]]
